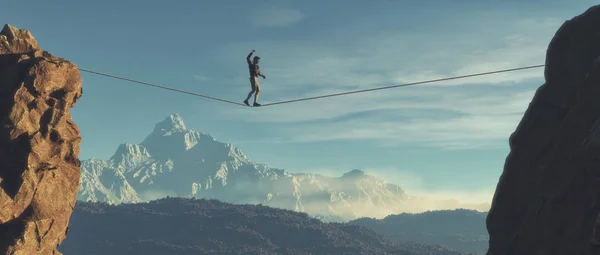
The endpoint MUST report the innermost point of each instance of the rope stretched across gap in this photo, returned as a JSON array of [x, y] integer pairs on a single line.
[[162, 87], [315, 97], [404, 85]]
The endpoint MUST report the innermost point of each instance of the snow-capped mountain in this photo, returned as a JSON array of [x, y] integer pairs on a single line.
[[176, 161]]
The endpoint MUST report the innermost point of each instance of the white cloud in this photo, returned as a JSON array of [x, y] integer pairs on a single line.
[[444, 115], [276, 17], [450, 200], [156, 194], [420, 199], [390, 57], [423, 199], [447, 120]]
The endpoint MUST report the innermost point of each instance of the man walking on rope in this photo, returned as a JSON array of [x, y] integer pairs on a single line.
[[254, 73]]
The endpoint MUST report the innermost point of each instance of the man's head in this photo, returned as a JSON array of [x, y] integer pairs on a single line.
[[256, 59]]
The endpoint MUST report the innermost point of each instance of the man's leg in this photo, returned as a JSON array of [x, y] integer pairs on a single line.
[[257, 89], [251, 92], [249, 95], [257, 92]]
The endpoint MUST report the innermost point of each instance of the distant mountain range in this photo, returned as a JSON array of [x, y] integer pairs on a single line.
[[180, 162], [461, 230], [178, 226], [177, 161]]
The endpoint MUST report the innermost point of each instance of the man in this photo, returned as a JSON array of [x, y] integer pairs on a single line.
[[254, 73]]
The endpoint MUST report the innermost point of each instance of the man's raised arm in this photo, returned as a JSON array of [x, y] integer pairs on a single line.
[[248, 57]]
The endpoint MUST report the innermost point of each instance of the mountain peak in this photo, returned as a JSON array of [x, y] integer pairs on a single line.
[[356, 173], [130, 154], [172, 124], [171, 137]]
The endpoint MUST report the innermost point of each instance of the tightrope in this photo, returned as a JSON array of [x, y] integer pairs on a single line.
[[315, 97]]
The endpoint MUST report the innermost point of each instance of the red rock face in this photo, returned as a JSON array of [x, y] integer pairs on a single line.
[[39, 145], [548, 198]]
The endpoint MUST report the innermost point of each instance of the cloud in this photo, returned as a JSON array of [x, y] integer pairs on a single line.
[[468, 113], [420, 199], [392, 57], [156, 194], [431, 117], [274, 17], [447, 201]]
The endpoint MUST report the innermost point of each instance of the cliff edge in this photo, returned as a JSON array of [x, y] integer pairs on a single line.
[[547, 200], [39, 145]]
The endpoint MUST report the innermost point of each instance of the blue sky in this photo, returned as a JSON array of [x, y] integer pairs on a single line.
[[446, 139]]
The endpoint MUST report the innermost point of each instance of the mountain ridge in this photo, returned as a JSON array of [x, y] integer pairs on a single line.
[[174, 160], [206, 226], [460, 229]]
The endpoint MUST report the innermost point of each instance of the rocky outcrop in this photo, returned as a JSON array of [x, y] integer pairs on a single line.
[[39, 145], [548, 198]]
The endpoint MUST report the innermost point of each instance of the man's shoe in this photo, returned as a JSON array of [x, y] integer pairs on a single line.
[[256, 104], [246, 102]]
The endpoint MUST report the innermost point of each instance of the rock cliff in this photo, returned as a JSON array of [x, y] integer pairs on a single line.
[[39, 145], [547, 200]]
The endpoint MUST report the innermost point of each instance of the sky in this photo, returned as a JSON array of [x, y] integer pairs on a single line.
[[447, 139]]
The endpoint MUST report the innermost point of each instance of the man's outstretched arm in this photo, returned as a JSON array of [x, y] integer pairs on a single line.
[[259, 73], [248, 57]]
